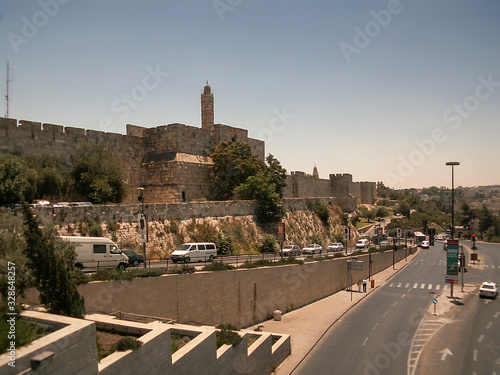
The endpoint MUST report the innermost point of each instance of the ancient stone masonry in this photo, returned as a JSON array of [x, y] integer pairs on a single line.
[[171, 162], [341, 186]]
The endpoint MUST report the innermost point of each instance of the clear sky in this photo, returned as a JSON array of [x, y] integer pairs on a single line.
[[385, 90]]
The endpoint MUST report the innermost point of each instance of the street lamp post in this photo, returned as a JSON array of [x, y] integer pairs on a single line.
[[452, 164], [141, 198]]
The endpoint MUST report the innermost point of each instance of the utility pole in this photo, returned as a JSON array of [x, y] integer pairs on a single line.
[[7, 81]]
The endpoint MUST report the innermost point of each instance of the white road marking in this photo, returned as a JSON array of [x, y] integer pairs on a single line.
[[391, 285], [375, 326], [422, 286], [474, 357], [364, 342], [407, 285], [496, 314], [480, 338], [430, 286], [403, 295], [489, 325], [438, 286], [387, 312], [395, 303], [415, 285], [399, 285]]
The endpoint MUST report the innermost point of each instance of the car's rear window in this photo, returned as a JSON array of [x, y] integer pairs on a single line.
[[487, 286]]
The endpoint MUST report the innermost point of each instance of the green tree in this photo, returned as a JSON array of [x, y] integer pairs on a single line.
[[276, 174], [52, 263], [233, 163], [52, 181], [12, 246], [268, 244], [269, 203], [486, 220], [98, 175], [18, 181]]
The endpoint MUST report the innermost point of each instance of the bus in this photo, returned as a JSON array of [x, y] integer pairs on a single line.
[[419, 237]]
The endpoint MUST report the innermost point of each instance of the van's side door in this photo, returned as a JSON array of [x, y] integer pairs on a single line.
[[202, 253], [100, 255]]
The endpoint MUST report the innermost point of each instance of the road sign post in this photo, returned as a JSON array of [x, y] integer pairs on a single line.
[[452, 265], [346, 237], [281, 236], [435, 301]]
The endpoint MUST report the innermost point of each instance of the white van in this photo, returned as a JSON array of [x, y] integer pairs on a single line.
[[362, 243], [197, 252], [94, 253]]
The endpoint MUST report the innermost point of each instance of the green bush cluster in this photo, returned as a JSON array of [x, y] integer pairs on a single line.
[[227, 335]]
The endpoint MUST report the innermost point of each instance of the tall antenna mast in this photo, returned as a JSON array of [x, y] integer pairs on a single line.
[[7, 94]]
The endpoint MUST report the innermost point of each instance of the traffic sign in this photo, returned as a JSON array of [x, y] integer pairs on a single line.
[[346, 233], [281, 232], [143, 228], [434, 301]]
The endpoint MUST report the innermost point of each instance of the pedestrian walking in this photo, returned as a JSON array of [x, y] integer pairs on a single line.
[[364, 285], [359, 286]]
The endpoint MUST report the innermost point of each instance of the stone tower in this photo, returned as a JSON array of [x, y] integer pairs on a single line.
[[207, 108]]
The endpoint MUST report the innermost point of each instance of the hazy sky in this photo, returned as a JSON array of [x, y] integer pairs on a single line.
[[385, 90]]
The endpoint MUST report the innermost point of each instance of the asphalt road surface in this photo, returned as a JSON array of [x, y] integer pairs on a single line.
[[376, 336]]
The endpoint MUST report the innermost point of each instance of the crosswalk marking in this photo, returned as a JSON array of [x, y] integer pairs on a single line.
[[422, 286]]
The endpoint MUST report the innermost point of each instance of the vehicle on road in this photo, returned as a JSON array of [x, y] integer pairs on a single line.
[[440, 237], [291, 250], [419, 237], [336, 246], [134, 259], [195, 252], [312, 249], [93, 253], [425, 244], [362, 244], [80, 204], [488, 289], [384, 243]]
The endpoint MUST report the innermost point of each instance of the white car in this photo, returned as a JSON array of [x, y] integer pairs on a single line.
[[291, 250], [362, 244], [336, 246], [312, 249], [488, 289], [425, 244]]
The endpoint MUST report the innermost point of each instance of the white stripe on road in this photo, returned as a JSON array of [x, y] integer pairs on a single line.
[[376, 325], [489, 325], [475, 355], [438, 286], [364, 342], [422, 286], [415, 285], [480, 338], [430, 286], [407, 285]]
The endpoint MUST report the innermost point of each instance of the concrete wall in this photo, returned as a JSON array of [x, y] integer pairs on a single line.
[[72, 350], [241, 297], [72, 346]]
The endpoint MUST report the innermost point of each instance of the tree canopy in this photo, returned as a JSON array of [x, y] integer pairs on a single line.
[[98, 174]]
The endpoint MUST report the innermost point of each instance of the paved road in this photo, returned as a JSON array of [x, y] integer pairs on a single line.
[[376, 336], [469, 341]]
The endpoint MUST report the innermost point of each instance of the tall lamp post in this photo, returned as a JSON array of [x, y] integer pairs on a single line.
[[141, 198], [452, 164]]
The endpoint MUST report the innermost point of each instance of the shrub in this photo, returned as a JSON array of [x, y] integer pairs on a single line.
[[268, 244], [218, 266], [127, 343], [227, 335], [224, 243]]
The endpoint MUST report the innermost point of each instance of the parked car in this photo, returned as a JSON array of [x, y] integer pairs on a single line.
[[61, 204], [384, 243], [439, 237], [291, 250], [80, 204], [425, 244], [312, 249], [488, 289], [134, 259], [336, 246], [362, 244]]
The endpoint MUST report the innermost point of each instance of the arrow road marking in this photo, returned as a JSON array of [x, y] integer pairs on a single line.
[[446, 352]]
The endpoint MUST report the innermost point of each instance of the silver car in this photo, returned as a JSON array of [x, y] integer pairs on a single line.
[[291, 250]]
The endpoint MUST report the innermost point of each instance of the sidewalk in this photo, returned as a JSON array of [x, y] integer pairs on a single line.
[[308, 324]]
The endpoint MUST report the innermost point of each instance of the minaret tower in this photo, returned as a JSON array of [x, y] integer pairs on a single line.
[[207, 108]]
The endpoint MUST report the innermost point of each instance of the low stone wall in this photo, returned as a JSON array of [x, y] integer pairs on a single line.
[[127, 213]]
